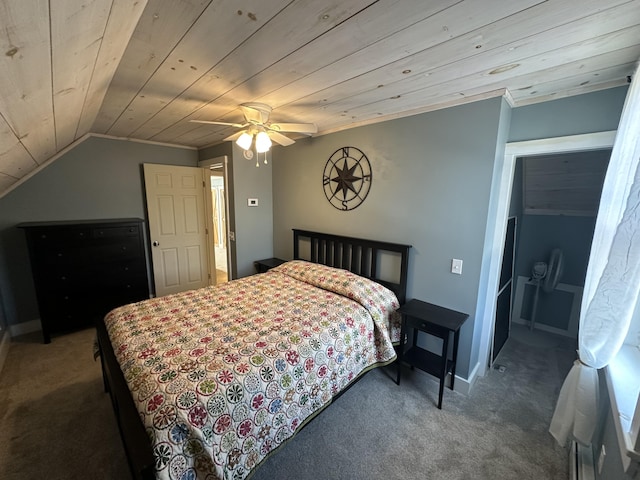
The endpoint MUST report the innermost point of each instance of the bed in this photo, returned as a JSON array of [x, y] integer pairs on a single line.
[[208, 383]]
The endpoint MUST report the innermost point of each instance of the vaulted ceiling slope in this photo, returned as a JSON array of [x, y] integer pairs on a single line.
[[143, 69]]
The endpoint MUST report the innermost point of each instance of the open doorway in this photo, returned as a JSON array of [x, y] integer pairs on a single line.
[[219, 217], [555, 200], [218, 201], [500, 212]]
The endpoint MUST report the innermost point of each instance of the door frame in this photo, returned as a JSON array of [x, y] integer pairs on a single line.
[[499, 212], [228, 187]]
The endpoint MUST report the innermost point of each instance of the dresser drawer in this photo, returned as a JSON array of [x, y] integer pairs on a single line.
[[117, 231], [87, 253], [62, 311], [118, 273], [424, 326], [67, 309], [95, 276], [46, 238], [54, 302]]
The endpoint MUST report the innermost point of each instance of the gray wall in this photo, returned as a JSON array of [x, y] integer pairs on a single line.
[[100, 178], [431, 183], [589, 113]]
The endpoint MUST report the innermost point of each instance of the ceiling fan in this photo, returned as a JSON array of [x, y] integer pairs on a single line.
[[257, 125]]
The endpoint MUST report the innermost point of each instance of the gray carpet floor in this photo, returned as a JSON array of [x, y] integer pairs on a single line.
[[56, 421]]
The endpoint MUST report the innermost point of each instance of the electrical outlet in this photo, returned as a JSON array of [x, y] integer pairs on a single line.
[[252, 202], [456, 266]]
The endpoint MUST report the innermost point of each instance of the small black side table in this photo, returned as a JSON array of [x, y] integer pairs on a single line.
[[437, 321], [267, 264]]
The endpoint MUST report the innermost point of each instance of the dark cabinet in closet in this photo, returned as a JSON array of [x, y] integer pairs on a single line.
[[84, 269]]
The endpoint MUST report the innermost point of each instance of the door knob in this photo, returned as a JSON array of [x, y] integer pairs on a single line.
[[156, 243]]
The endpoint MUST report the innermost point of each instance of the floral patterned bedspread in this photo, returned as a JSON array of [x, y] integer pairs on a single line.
[[224, 375]]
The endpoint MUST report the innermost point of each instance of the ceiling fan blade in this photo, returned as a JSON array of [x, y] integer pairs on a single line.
[[280, 139], [234, 137], [211, 122], [294, 127]]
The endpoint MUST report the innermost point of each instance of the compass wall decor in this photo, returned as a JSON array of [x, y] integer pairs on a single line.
[[347, 178]]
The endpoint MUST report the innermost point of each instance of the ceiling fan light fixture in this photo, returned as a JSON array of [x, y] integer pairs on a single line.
[[244, 141], [263, 142]]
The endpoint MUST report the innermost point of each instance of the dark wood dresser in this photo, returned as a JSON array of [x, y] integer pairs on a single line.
[[83, 269]]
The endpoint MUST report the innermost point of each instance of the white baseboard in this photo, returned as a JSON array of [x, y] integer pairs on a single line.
[[24, 328], [464, 385]]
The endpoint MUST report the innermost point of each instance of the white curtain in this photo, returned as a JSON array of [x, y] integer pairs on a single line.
[[612, 284]]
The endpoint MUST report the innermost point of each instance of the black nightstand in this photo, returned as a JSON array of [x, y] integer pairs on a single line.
[[440, 322], [267, 264]]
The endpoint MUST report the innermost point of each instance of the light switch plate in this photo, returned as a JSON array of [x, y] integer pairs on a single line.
[[456, 266], [252, 202]]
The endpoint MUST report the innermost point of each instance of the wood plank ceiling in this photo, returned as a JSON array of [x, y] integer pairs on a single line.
[[143, 69]]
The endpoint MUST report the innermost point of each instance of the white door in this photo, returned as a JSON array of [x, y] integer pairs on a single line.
[[177, 225]]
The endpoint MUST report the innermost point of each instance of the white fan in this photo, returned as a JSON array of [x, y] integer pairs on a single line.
[[547, 275], [257, 120]]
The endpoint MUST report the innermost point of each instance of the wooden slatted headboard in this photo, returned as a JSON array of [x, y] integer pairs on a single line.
[[358, 255]]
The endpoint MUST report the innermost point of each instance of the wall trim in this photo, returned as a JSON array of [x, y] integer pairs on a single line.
[[464, 385], [24, 328], [572, 143], [137, 140]]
